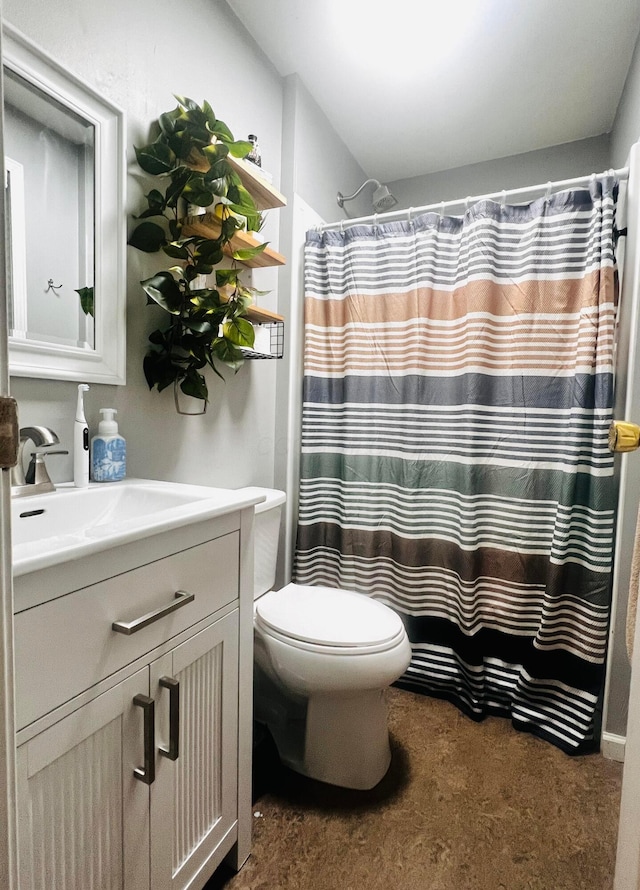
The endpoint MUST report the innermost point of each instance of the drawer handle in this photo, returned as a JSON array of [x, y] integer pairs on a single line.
[[147, 773], [173, 686], [132, 627]]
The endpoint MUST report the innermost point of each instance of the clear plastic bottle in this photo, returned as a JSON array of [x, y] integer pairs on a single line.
[[254, 155]]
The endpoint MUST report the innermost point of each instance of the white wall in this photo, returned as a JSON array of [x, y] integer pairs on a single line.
[[315, 166], [626, 126], [556, 163], [626, 132]]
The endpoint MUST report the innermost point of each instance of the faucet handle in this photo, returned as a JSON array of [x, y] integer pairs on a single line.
[[37, 473]]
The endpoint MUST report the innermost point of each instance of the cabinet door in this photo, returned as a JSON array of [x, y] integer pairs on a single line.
[[194, 797], [82, 815]]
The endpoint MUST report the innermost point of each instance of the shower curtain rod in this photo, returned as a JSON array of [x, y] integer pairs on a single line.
[[622, 173]]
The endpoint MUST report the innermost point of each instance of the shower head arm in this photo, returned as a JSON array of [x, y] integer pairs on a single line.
[[342, 198]]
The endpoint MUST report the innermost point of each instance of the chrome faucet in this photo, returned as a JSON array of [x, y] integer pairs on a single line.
[[36, 480]]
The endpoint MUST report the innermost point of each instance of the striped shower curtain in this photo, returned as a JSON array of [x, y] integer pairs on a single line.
[[457, 397]]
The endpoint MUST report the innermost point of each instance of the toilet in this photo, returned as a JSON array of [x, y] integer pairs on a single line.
[[323, 657]]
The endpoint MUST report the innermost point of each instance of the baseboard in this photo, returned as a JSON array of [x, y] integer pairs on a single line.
[[612, 746]]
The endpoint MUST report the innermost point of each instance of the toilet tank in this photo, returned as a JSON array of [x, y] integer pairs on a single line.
[[266, 534]]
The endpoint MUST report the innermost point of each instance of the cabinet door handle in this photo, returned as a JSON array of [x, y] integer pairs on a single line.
[[147, 773], [173, 686], [132, 627]]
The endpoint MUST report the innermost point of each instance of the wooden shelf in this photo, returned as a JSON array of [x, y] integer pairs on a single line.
[[263, 193], [208, 226], [266, 197], [257, 315]]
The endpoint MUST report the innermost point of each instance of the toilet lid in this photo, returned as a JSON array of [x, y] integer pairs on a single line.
[[328, 616]]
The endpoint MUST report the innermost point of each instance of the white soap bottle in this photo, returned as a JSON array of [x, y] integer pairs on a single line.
[[108, 450]]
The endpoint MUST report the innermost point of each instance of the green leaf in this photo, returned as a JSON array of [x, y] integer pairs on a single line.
[[226, 352], [254, 220], [248, 253], [176, 251], [196, 193], [155, 200], [175, 228], [199, 327], [244, 201], [148, 237], [233, 194], [240, 149], [222, 131], [86, 299], [215, 151], [239, 331], [180, 143], [187, 103], [195, 385], [229, 227], [159, 370], [209, 251], [208, 300], [218, 186], [167, 121], [219, 170], [203, 268], [179, 179], [163, 290], [156, 158], [207, 110], [158, 337], [226, 276]]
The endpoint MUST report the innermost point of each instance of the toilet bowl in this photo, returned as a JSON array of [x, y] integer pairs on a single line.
[[323, 657]]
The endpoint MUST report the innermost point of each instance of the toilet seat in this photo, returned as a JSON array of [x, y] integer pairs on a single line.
[[328, 620]]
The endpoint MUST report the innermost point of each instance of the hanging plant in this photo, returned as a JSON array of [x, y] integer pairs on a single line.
[[205, 324]]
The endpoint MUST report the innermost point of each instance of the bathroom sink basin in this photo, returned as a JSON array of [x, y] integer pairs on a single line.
[[70, 522]]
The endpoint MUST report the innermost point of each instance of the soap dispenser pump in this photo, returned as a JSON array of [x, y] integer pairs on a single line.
[[108, 450], [81, 442]]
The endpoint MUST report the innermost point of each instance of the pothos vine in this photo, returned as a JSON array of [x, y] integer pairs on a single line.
[[206, 324]]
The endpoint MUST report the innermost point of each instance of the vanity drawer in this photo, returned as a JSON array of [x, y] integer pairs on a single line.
[[67, 645]]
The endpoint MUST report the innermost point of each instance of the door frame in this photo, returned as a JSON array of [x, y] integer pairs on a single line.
[[8, 843], [627, 872]]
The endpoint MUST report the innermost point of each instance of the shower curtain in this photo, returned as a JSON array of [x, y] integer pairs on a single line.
[[457, 397]]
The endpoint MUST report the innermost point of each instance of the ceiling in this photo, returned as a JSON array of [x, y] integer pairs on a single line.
[[416, 86]]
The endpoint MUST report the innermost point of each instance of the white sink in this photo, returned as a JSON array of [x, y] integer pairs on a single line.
[[71, 522]]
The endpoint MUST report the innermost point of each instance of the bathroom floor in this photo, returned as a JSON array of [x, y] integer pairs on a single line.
[[464, 806]]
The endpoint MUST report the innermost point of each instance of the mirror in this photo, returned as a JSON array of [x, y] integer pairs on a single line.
[[64, 190]]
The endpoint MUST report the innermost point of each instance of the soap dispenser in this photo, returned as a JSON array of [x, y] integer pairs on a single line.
[[108, 450]]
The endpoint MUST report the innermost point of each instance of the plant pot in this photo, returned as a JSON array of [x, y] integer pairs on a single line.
[[188, 405]]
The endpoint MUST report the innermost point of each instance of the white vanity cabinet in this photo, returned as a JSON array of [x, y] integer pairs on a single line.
[[133, 768]]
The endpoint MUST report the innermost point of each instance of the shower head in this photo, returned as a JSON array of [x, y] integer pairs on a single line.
[[382, 197]]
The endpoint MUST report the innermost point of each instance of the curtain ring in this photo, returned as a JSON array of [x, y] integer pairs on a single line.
[[442, 210], [503, 199], [341, 225], [547, 194], [375, 222], [410, 211], [466, 203]]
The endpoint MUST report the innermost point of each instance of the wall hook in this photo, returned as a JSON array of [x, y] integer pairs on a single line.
[[51, 286]]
